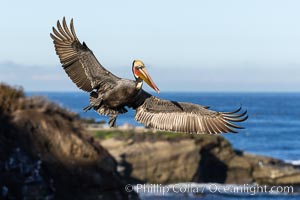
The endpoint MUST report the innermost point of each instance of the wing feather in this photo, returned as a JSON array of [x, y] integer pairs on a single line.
[[62, 32], [186, 117], [70, 36], [79, 61]]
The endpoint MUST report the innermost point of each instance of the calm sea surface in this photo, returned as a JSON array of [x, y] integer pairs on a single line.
[[273, 127]]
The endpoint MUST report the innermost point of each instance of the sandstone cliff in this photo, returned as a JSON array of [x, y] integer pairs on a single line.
[[169, 158]]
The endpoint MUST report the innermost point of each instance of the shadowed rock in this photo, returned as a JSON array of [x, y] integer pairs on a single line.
[[71, 165]]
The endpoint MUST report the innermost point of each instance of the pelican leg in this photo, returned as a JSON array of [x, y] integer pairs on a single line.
[[89, 107], [112, 120], [95, 102]]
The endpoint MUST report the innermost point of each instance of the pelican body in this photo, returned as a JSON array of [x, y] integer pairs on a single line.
[[110, 95]]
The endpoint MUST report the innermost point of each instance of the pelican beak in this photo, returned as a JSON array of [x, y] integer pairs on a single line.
[[147, 78]]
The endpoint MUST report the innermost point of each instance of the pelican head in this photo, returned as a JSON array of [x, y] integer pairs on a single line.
[[140, 73]]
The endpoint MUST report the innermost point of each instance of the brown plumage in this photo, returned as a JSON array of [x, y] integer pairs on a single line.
[[109, 94]]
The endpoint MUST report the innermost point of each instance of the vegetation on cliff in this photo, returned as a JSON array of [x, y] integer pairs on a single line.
[[9, 98]]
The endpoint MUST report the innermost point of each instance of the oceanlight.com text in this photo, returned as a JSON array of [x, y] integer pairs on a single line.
[[246, 189]]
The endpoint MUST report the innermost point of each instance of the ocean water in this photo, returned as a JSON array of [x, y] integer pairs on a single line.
[[273, 127]]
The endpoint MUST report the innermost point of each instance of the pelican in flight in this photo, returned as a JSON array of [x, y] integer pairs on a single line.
[[110, 95]]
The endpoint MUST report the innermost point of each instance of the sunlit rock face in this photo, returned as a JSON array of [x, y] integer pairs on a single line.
[[199, 158]]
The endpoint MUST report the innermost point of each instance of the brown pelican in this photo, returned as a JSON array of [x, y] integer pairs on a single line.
[[109, 94]]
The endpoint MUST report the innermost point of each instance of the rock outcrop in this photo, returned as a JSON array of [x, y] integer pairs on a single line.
[[45, 154], [194, 158]]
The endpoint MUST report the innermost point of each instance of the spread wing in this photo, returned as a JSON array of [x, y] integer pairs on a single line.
[[79, 61], [186, 117]]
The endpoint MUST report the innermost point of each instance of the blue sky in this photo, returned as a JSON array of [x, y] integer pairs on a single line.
[[187, 45]]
